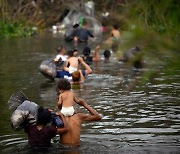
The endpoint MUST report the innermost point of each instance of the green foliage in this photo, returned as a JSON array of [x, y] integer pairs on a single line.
[[14, 29], [154, 27], [159, 15]]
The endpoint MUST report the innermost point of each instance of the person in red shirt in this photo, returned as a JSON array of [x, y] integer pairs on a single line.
[[41, 134]]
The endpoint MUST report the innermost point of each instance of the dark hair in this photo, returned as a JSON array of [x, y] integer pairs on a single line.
[[116, 26], [64, 84], [44, 116], [59, 49], [107, 53], [75, 50], [76, 26], [70, 53], [76, 76], [86, 51]]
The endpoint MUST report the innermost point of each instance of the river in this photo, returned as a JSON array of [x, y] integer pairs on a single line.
[[136, 118]]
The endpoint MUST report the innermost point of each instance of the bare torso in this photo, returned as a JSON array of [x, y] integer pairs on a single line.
[[73, 61], [67, 98], [115, 33], [72, 137]]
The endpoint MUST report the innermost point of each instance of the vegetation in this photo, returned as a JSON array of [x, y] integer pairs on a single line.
[[18, 28], [154, 27]]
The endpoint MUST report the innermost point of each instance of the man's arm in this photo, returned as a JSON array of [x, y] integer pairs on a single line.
[[81, 77], [87, 68], [93, 116], [96, 56], [66, 68], [66, 126]]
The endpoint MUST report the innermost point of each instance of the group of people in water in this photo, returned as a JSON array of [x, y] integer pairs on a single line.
[[71, 69], [75, 68], [40, 131], [40, 134]]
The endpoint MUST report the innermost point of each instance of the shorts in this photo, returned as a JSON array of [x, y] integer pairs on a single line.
[[67, 111], [72, 69]]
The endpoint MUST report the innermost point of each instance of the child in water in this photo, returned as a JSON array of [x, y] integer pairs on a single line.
[[66, 98]]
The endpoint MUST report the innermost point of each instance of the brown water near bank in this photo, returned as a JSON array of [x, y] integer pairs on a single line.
[[136, 119]]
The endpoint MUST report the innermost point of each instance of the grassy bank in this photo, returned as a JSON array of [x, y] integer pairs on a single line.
[[154, 27], [15, 29]]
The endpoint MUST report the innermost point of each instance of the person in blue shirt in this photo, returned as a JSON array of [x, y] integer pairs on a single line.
[[83, 34]]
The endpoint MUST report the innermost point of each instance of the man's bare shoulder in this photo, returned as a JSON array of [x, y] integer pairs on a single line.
[[86, 117]]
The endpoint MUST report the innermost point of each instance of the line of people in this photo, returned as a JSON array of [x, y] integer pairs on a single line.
[[68, 73], [71, 69], [39, 131], [76, 68]]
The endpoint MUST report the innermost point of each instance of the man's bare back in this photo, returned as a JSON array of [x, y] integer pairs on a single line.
[[72, 137], [73, 61], [71, 64]]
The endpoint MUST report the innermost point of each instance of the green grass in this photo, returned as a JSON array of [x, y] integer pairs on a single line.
[[15, 29]]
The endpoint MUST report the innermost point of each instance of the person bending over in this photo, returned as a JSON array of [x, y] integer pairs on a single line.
[[40, 135], [79, 74]]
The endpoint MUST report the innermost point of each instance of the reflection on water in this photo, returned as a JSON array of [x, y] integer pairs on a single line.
[[136, 118]]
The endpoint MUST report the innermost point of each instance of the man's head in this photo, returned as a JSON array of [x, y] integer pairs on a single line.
[[75, 52], [86, 51], [70, 53], [115, 26], [107, 54], [64, 84], [44, 116], [85, 24], [76, 76], [60, 49]]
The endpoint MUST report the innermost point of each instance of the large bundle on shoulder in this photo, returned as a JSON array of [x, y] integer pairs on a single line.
[[48, 68], [24, 112]]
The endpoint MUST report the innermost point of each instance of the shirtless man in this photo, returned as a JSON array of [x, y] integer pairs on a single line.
[[114, 35], [72, 137], [115, 32], [71, 63], [82, 73]]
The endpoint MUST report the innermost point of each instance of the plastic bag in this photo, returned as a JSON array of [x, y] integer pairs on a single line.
[[16, 99], [48, 68]]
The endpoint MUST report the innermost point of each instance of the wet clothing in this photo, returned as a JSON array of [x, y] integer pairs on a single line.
[[70, 34], [72, 69], [67, 75], [64, 74], [40, 137], [83, 35], [67, 111]]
